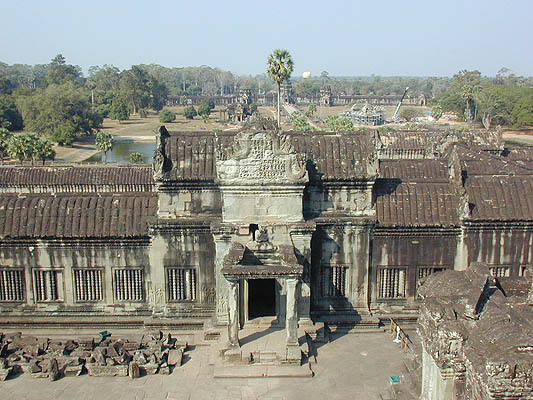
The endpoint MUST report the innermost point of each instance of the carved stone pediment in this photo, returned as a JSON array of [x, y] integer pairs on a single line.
[[258, 158]]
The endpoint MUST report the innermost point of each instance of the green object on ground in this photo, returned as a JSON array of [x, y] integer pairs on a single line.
[[394, 379], [104, 334]]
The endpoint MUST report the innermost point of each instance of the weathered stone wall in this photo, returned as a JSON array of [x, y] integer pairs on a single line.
[[416, 254], [499, 247]]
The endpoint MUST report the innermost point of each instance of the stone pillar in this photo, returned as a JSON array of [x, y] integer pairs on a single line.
[[357, 241], [301, 239], [223, 237], [291, 322], [233, 313], [461, 252]]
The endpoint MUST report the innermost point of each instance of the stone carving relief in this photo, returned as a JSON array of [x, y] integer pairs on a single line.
[[260, 157], [209, 294]]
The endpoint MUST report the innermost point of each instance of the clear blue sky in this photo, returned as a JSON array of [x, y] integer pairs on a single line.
[[401, 37]]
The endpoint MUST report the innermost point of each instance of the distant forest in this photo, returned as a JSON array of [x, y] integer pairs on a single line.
[[56, 99]]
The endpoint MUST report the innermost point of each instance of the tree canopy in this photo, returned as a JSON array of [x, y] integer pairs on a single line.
[[280, 67]]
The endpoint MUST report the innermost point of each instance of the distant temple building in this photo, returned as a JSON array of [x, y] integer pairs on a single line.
[[365, 114], [232, 226]]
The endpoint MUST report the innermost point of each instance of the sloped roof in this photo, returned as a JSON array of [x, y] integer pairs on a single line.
[[331, 156], [76, 215], [414, 170], [416, 204], [501, 197], [75, 175]]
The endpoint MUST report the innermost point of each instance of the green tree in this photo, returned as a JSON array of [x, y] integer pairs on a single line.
[[159, 94], [166, 115], [190, 112], [21, 146], [4, 140], [522, 114], [339, 124], [205, 107], [119, 110], [104, 142], [410, 113], [136, 157], [58, 108], [60, 72], [42, 150], [10, 117], [135, 86], [300, 123], [64, 134], [280, 67], [436, 111]]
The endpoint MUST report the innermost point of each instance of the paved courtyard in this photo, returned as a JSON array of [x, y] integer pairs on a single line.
[[353, 366]]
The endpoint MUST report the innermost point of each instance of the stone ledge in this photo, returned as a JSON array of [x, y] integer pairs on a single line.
[[263, 371]]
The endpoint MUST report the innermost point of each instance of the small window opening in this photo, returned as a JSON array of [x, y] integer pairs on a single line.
[[252, 229]]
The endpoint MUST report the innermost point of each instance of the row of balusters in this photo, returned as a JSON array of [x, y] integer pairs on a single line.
[[88, 284], [181, 284], [46, 287], [334, 281], [11, 285], [129, 284], [392, 283]]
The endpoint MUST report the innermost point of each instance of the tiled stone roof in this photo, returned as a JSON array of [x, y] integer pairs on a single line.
[[501, 197], [73, 175], [76, 215], [416, 204], [331, 156]]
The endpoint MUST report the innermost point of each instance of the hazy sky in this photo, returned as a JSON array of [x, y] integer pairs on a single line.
[[401, 37]]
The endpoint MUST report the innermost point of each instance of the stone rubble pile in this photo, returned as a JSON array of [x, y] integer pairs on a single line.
[[50, 358]]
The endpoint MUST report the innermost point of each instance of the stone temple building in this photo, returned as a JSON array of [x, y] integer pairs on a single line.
[[233, 226], [476, 331]]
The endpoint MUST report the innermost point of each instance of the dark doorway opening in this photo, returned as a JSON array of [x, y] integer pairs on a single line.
[[261, 298]]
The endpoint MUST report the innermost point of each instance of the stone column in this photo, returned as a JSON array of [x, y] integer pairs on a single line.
[[301, 238], [291, 322], [233, 313]]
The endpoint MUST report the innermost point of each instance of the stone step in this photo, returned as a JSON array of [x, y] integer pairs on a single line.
[[262, 371]]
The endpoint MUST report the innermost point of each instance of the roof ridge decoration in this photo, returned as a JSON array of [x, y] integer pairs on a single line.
[[455, 172], [259, 156], [161, 164]]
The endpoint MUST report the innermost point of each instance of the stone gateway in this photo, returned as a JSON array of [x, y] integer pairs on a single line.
[[291, 227]]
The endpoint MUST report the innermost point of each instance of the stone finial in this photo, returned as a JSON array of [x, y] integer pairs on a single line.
[[529, 273], [160, 163]]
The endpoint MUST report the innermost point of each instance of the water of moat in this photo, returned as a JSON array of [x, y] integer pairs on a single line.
[[120, 153]]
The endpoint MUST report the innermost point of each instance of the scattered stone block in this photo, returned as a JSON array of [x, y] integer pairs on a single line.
[[175, 357], [233, 355], [73, 370], [133, 370], [150, 369], [116, 370], [53, 373]]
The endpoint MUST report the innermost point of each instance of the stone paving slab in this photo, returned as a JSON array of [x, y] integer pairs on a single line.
[[263, 371], [349, 367]]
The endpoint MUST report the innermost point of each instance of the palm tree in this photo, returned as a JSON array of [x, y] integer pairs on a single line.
[[280, 67]]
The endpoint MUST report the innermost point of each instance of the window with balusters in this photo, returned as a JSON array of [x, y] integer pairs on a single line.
[[392, 283], [48, 285], [181, 284], [423, 272], [128, 284], [88, 284], [334, 281], [12, 285], [500, 271]]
